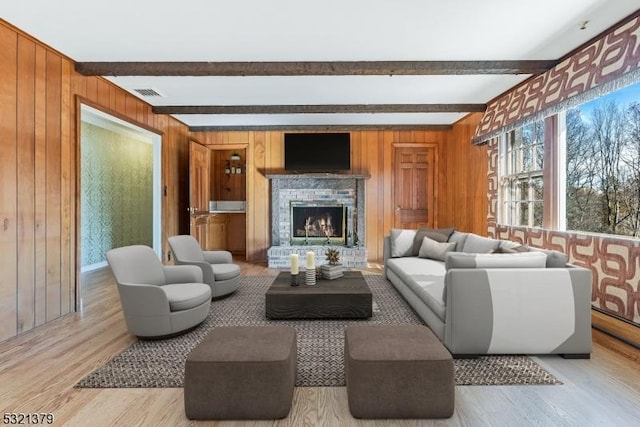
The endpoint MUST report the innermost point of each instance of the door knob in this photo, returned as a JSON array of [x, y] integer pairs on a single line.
[[398, 208]]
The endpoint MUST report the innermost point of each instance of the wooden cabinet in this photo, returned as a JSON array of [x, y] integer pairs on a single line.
[[217, 228], [237, 233], [221, 231]]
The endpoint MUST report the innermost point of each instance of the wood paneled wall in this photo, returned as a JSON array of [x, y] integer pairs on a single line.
[[463, 202], [39, 122], [460, 190]]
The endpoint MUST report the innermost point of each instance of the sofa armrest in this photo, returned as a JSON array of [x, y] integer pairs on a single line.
[[522, 310], [182, 274]]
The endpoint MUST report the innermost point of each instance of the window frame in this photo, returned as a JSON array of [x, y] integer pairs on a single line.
[[511, 152]]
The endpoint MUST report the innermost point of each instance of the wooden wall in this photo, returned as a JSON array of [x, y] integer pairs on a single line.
[[39, 119], [460, 194], [39, 122], [463, 202]]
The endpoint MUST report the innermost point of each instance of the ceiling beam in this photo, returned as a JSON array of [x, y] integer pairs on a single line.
[[320, 109], [313, 68], [319, 128]]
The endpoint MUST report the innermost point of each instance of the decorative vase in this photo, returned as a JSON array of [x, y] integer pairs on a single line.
[[310, 276]]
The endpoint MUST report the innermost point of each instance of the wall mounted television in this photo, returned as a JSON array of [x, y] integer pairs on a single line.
[[317, 152]]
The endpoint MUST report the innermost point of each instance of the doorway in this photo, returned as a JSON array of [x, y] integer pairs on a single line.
[[119, 189]]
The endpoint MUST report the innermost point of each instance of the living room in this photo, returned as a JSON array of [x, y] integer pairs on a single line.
[[46, 313]]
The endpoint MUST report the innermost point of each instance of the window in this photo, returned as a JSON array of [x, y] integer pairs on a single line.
[[521, 171], [603, 164]]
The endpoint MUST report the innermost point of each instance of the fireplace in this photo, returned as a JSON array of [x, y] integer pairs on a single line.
[[317, 195], [314, 223]]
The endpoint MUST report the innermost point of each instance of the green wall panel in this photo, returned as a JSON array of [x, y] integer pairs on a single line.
[[116, 192]]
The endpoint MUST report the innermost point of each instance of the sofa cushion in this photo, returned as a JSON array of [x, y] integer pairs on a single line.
[[475, 244], [402, 242], [425, 278], [531, 259], [435, 250], [429, 288], [439, 235], [410, 266], [459, 238]]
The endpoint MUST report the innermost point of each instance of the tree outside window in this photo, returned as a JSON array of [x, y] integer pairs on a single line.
[[603, 164]]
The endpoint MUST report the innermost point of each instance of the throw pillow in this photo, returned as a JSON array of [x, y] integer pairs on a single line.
[[435, 250], [479, 245], [402, 242], [439, 235], [510, 249], [555, 259]]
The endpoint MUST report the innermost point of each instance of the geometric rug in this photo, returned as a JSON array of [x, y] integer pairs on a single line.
[[160, 363]]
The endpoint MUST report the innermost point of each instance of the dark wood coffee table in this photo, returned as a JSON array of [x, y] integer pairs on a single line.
[[347, 297]]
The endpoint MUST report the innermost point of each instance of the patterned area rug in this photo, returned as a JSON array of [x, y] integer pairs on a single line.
[[160, 363]]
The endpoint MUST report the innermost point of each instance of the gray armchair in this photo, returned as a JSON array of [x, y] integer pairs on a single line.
[[217, 267], [157, 300]]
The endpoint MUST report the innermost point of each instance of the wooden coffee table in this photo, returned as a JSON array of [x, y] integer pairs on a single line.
[[347, 297]]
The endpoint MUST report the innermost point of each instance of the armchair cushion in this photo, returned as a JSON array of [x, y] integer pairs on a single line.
[[225, 271], [184, 296]]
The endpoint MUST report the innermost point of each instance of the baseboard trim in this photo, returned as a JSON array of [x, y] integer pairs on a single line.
[[624, 331]]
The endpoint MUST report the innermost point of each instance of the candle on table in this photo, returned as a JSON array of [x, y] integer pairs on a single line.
[[311, 264], [294, 264]]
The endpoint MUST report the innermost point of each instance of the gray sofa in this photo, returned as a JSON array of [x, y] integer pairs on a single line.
[[486, 296]]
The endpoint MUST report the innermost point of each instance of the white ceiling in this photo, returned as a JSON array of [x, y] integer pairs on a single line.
[[328, 30]]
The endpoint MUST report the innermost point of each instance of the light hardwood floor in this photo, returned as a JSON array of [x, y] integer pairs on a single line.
[[39, 369]]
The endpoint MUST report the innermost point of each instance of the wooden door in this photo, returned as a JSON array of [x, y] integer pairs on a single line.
[[199, 178], [414, 185]]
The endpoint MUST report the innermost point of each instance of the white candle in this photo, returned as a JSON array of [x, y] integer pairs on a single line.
[[311, 263], [294, 263]]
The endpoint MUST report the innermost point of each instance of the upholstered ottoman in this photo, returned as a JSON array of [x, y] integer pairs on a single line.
[[400, 371], [241, 372]]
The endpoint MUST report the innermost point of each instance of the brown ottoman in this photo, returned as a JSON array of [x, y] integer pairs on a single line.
[[241, 372], [400, 371]]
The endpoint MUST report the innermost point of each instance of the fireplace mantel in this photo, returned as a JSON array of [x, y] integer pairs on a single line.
[[318, 176]]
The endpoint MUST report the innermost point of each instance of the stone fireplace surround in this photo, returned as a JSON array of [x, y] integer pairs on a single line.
[[347, 189]]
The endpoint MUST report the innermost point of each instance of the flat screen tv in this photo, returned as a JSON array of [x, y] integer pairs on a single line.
[[317, 152]]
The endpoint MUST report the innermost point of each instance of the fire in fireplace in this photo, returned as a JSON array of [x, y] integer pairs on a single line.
[[316, 223]]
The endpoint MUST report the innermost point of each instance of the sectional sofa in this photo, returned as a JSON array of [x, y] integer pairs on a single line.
[[487, 296]]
